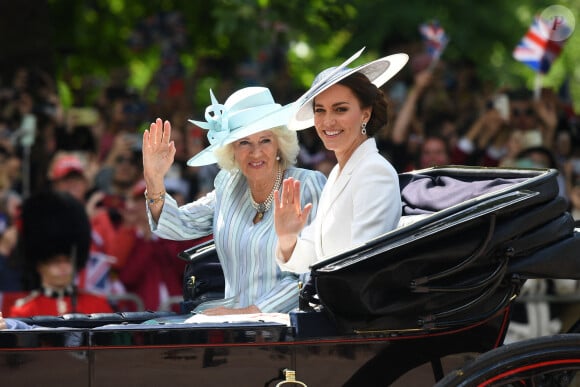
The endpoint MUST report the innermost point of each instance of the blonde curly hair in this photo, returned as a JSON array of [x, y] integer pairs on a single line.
[[288, 149]]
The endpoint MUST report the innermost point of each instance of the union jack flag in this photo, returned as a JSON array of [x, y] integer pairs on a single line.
[[95, 275], [435, 38], [536, 49]]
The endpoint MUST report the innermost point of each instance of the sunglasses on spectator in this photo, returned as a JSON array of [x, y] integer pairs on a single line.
[[520, 112], [123, 159]]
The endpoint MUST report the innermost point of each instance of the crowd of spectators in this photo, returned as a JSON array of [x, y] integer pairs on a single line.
[[444, 114], [92, 151], [449, 116]]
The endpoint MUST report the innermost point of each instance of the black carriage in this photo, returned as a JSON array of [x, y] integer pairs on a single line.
[[428, 303]]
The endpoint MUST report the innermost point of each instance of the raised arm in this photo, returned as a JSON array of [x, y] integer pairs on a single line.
[[407, 113], [158, 156], [289, 216]]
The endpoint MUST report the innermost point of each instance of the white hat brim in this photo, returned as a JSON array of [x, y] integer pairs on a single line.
[[378, 71], [274, 119]]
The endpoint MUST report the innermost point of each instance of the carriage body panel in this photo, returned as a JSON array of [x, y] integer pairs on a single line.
[[439, 287]]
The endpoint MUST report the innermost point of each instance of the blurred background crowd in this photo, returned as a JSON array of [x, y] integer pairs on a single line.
[[442, 112]]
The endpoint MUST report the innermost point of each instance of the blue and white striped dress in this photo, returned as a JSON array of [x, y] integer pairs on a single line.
[[246, 250]]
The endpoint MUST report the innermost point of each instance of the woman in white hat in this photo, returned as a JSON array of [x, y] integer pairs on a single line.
[[361, 199], [250, 141]]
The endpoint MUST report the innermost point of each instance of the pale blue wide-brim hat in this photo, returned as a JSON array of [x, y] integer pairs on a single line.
[[378, 72], [247, 111]]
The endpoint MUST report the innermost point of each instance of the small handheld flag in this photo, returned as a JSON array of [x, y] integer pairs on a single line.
[[435, 39], [537, 49]]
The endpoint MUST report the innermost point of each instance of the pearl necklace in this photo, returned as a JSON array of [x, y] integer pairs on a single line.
[[261, 208]]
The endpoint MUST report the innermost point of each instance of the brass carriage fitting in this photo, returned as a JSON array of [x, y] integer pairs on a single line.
[[290, 379]]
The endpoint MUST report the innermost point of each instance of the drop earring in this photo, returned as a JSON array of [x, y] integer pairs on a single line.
[[363, 129]]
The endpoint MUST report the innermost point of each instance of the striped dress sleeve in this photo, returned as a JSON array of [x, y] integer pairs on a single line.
[[190, 221]]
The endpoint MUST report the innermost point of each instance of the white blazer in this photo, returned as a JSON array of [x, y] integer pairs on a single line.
[[357, 204]]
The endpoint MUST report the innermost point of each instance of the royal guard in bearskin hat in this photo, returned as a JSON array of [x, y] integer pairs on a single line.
[[54, 242]]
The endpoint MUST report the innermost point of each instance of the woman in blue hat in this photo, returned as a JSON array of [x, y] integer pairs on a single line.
[[250, 141]]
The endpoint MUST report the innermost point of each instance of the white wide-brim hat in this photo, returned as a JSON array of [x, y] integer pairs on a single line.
[[247, 111], [378, 72]]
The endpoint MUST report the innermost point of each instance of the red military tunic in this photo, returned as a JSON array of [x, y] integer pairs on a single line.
[[39, 303]]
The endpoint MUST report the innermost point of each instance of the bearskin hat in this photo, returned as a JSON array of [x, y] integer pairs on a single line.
[[54, 223]]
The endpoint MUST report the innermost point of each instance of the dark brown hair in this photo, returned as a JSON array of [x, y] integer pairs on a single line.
[[369, 96]]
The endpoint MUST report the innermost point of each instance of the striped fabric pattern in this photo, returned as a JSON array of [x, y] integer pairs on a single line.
[[245, 249]]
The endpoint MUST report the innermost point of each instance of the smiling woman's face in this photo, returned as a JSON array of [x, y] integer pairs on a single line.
[[338, 117], [256, 155]]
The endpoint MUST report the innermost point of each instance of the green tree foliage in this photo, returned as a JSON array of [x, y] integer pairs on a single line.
[[91, 37]]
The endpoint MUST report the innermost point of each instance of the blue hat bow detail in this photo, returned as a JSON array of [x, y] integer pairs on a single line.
[[247, 111], [217, 123]]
